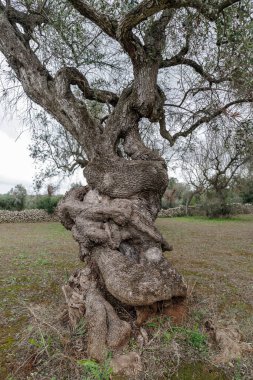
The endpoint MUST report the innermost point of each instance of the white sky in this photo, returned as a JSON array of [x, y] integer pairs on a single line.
[[16, 166]]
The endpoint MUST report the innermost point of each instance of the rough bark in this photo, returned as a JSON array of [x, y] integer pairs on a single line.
[[112, 219]]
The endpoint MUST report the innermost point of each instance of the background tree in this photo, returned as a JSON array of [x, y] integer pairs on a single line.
[[214, 160], [176, 194], [15, 199], [245, 187], [18, 193], [243, 183], [164, 61]]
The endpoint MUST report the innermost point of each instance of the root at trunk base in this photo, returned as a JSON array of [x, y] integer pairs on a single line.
[[109, 327]]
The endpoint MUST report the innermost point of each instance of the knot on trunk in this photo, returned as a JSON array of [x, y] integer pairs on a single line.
[[120, 178]]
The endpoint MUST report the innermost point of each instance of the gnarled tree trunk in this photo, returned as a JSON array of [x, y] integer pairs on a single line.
[[112, 219]]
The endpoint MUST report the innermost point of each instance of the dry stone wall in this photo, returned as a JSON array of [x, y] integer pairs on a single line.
[[26, 216], [33, 216], [236, 209], [170, 212]]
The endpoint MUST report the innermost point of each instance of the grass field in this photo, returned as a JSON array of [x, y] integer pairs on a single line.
[[215, 257]]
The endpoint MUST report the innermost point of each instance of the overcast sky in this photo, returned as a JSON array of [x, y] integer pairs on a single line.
[[16, 166]]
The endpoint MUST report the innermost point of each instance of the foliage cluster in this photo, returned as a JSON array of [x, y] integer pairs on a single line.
[[94, 371], [48, 203], [17, 199], [14, 199]]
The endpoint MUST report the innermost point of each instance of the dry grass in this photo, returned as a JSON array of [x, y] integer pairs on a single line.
[[215, 258], [35, 260]]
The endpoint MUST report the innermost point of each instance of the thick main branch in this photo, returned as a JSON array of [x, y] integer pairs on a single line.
[[179, 59], [103, 21], [72, 76], [148, 8], [53, 94]]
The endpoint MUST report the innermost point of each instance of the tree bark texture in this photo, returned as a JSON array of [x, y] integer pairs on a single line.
[[112, 219]]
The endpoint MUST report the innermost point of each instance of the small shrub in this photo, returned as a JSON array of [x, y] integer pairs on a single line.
[[7, 202], [196, 339], [154, 325], [48, 203], [193, 337], [167, 337], [216, 206], [41, 342], [94, 371]]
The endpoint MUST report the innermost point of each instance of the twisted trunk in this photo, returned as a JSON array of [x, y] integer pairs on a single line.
[[112, 219]]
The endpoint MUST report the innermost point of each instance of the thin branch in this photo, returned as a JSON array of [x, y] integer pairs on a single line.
[[211, 116], [165, 133], [178, 59], [178, 106], [195, 91], [205, 119]]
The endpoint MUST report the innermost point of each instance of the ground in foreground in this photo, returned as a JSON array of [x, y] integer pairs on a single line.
[[215, 256]]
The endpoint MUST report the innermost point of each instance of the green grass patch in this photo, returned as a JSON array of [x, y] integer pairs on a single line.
[[239, 218], [94, 371]]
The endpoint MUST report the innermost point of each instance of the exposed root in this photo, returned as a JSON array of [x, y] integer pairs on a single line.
[[138, 284], [105, 328], [229, 340]]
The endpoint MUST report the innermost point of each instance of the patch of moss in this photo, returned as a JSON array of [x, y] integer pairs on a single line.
[[198, 371]]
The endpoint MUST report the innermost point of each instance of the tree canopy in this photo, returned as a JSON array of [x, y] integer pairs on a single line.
[[89, 51]]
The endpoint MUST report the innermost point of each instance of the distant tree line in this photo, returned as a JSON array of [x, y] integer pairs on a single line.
[[214, 200], [213, 203], [17, 199]]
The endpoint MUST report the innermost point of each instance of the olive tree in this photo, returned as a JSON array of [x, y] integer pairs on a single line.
[[215, 159], [163, 61]]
